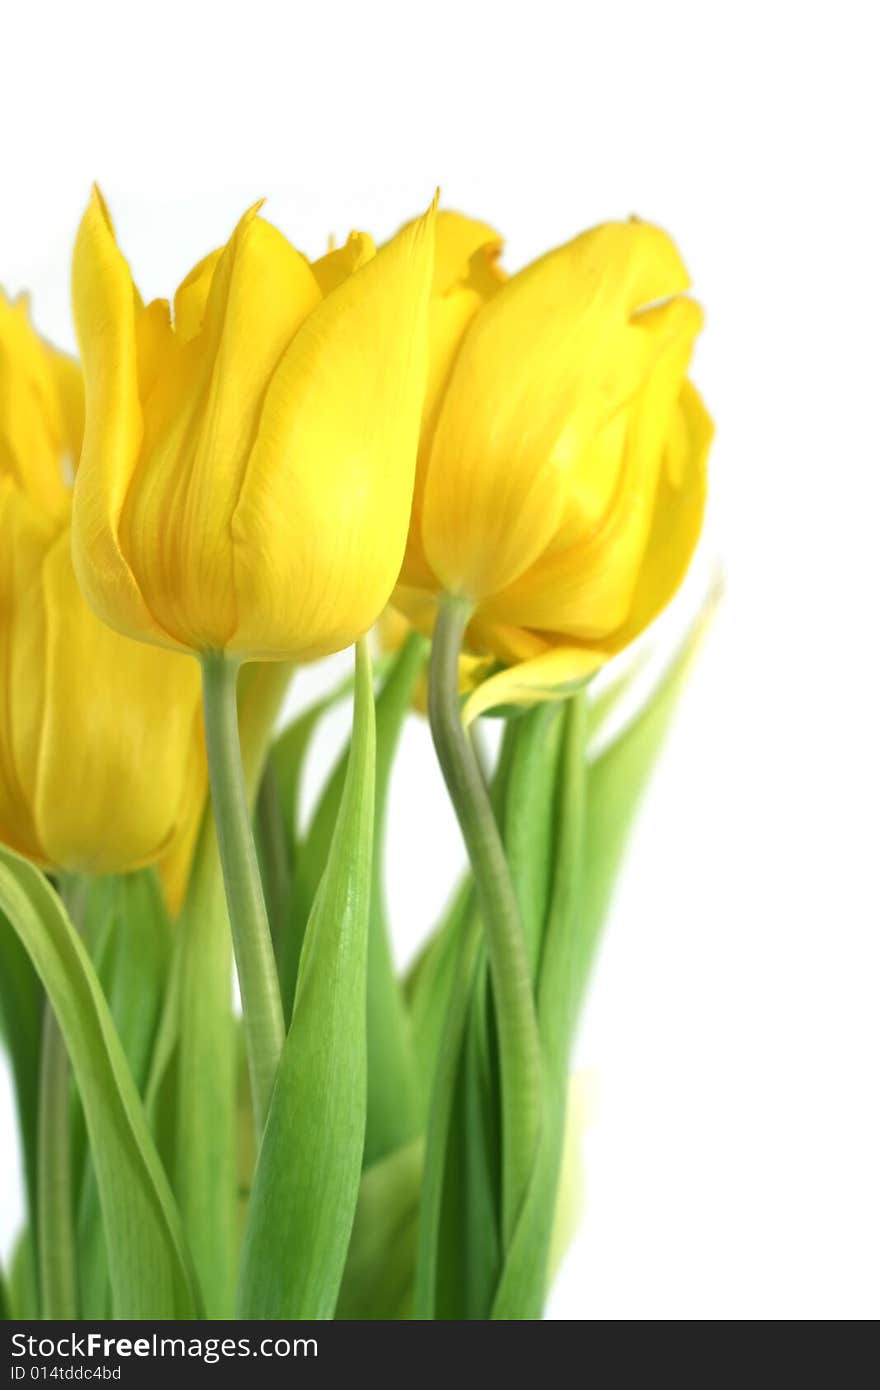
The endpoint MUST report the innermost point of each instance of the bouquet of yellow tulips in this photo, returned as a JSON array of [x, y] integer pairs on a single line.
[[489, 485]]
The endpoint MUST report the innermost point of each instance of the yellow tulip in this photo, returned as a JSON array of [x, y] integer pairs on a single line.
[[41, 411], [248, 463], [97, 733], [563, 459]]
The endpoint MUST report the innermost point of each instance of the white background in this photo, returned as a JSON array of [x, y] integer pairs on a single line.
[[731, 1037]]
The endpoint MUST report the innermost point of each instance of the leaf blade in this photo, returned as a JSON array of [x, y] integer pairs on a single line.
[[151, 1272], [308, 1171]]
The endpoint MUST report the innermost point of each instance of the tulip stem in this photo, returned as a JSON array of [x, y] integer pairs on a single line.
[[518, 1038], [251, 937]]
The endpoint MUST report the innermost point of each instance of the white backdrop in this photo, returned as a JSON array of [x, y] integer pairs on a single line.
[[731, 1038]]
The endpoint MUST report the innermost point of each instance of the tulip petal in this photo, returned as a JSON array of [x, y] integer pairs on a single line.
[[585, 589], [560, 345], [554, 675], [191, 298], [25, 532], [333, 462], [466, 275], [106, 306], [677, 519], [41, 411], [332, 270], [201, 422], [175, 865], [118, 719], [459, 238]]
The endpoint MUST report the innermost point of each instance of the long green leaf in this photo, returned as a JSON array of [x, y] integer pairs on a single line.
[[136, 932], [308, 1171], [616, 783], [150, 1267], [392, 1098], [469, 1253], [598, 807], [21, 1012], [528, 815], [287, 756], [377, 1285], [442, 1110], [428, 988], [392, 1108], [21, 1282], [523, 1281], [205, 1176]]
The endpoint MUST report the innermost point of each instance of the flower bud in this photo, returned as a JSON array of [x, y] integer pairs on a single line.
[[563, 464], [248, 463]]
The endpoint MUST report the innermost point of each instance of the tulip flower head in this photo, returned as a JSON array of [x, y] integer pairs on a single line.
[[101, 762], [248, 463], [562, 469]]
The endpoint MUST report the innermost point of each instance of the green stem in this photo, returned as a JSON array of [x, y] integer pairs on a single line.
[[251, 937], [518, 1039]]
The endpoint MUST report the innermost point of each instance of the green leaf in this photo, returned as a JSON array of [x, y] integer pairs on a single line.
[[522, 1285], [275, 853], [309, 853], [287, 756], [428, 988], [392, 1097], [205, 1128], [308, 1171], [616, 783], [443, 1101], [523, 1281], [131, 920], [151, 1271], [393, 1107], [607, 692], [21, 1282], [378, 1279], [598, 806], [528, 815], [140, 967], [21, 1014], [469, 1252]]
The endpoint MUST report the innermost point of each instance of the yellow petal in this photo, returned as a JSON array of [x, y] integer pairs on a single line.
[[543, 366], [460, 238], [677, 518], [116, 738], [106, 307], [585, 588], [332, 270], [67, 377], [175, 864], [321, 523], [200, 423], [466, 275], [41, 411], [554, 675], [191, 298], [26, 532]]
